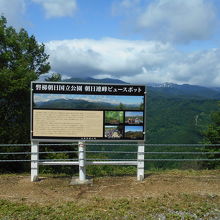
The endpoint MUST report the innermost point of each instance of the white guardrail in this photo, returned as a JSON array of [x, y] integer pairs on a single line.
[[137, 160]]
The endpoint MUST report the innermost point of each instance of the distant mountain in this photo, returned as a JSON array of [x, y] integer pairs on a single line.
[[175, 113], [164, 89], [216, 88], [162, 85], [92, 80], [81, 104], [185, 91], [72, 104]]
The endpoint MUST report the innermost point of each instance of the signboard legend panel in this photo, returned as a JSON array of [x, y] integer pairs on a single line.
[[74, 111]]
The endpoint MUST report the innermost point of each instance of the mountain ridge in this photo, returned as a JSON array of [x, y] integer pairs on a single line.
[[80, 104], [167, 89], [93, 80], [175, 113]]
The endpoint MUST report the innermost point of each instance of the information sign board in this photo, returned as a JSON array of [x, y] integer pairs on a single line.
[[85, 111]]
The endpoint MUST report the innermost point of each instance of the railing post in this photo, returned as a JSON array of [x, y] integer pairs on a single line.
[[34, 161], [140, 162], [82, 166], [82, 162]]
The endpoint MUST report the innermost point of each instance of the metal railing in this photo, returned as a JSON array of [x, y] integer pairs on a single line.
[[150, 150], [138, 154]]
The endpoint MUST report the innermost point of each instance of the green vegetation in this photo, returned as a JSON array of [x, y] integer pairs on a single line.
[[114, 117], [177, 120], [212, 136], [106, 170], [22, 60], [134, 135], [169, 194], [55, 77], [170, 118], [68, 170], [159, 196], [185, 207]]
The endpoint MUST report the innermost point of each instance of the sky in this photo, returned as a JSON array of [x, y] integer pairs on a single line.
[[133, 128], [137, 41], [134, 114]]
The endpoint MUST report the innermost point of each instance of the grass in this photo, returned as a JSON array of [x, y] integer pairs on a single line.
[[142, 205], [126, 170], [168, 206]]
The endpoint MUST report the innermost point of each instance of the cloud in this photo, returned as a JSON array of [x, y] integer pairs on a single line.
[[124, 6], [179, 21], [58, 8], [14, 11], [134, 61]]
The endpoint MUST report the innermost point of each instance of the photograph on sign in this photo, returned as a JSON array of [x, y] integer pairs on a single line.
[[134, 117], [113, 131], [78, 101], [69, 111], [114, 117], [134, 132]]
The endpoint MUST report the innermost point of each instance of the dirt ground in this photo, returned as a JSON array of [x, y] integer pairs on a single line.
[[52, 189]]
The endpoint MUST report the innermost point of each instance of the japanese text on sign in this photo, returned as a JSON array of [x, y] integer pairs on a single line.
[[88, 88]]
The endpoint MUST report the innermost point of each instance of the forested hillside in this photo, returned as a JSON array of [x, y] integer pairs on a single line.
[[175, 113], [177, 120]]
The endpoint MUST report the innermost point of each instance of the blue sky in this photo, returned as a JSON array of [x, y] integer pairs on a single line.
[[138, 41], [133, 128], [127, 114]]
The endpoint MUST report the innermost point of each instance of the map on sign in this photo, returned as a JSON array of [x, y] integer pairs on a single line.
[[74, 111]]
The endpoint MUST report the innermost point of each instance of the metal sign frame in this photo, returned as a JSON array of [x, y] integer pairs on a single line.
[[122, 91]]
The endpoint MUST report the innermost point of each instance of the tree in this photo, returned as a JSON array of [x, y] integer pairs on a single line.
[[55, 77], [212, 136], [121, 106], [142, 105], [22, 60]]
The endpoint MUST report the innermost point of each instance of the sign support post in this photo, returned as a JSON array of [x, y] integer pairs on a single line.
[[82, 162], [140, 162], [82, 166], [34, 161]]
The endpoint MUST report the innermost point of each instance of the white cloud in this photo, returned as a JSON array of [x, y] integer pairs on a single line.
[[180, 21], [134, 61], [129, 3], [58, 8], [124, 6], [14, 11]]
